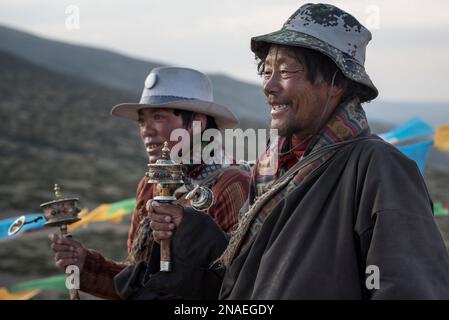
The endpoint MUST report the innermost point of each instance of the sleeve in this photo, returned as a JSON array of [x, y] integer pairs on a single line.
[[399, 240], [231, 193], [197, 244], [97, 275], [132, 229]]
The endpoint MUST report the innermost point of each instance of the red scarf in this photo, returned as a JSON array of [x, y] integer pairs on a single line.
[[288, 160]]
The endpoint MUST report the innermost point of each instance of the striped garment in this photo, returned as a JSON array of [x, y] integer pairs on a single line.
[[230, 191]]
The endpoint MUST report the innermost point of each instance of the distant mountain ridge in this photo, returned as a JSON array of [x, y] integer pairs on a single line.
[[120, 72], [101, 66], [395, 113], [57, 129]]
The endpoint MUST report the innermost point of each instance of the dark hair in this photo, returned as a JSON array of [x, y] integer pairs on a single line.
[[187, 118], [317, 64]]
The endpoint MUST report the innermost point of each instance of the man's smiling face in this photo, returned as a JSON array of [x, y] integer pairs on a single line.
[[297, 105], [156, 126]]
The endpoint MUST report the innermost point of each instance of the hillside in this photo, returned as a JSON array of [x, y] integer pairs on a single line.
[[58, 129], [116, 71]]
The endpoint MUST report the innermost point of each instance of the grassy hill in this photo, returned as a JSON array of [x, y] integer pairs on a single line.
[[58, 129], [119, 72]]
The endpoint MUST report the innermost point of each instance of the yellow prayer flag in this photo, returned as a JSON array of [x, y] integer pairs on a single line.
[[94, 215], [442, 138], [25, 295]]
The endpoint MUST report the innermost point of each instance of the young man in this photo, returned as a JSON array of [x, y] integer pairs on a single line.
[[346, 216], [172, 99]]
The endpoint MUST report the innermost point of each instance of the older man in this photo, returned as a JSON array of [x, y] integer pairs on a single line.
[[346, 215], [173, 98]]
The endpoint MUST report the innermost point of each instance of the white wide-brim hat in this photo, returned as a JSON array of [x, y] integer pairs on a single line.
[[181, 89]]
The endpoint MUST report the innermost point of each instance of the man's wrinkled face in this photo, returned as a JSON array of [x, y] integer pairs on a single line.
[[156, 125], [296, 104]]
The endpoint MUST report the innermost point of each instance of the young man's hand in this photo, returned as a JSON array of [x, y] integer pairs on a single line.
[[165, 218], [67, 252]]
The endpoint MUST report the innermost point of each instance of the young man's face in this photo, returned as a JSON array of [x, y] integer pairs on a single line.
[[296, 104], [156, 125]]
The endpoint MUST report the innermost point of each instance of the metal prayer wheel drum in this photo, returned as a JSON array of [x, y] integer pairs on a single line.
[[62, 211], [168, 176]]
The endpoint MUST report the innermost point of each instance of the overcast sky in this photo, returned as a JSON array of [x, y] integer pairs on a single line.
[[408, 58]]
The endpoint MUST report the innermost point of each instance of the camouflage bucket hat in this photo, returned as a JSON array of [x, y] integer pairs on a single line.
[[331, 31]]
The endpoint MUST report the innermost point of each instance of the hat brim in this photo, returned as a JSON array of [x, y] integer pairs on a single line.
[[348, 65], [224, 117]]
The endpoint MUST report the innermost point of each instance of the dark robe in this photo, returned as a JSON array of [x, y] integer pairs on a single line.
[[366, 206]]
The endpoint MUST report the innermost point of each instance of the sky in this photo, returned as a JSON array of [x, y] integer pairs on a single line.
[[408, 58]]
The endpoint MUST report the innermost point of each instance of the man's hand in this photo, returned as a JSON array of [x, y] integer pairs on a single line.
[[164, 219], [67, 252]]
